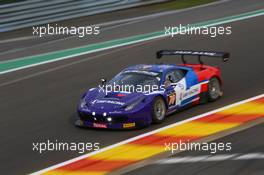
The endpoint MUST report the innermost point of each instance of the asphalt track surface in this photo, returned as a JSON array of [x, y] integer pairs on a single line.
[[38, 104], [243, 143]]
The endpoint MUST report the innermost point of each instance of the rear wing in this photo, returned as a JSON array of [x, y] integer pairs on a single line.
[[224, 55]]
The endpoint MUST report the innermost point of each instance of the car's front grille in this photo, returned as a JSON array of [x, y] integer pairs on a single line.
[[101, 119]]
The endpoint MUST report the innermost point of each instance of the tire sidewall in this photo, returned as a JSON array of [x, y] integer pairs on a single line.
[[211, 98], [155, 119]]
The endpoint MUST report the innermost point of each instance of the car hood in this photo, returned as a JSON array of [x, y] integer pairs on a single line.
[[112, 100]]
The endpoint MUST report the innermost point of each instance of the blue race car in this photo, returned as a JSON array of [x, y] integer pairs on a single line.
[[145, 94]]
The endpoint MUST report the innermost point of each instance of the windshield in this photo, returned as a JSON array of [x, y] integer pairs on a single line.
[[135, 80]]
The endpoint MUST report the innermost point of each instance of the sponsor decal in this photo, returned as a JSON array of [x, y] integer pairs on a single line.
[[129, 125], [109, 102], [121, 95], [194, 53], [191, 92], [98, 125], [115, 112], [180, 86]]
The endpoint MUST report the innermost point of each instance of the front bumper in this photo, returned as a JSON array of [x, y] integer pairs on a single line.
[[135, 120], [82, 123]]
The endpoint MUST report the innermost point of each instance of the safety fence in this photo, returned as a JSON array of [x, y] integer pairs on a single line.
[[37, 12]]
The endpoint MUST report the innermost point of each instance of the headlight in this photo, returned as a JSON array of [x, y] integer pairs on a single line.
[[133, 105]]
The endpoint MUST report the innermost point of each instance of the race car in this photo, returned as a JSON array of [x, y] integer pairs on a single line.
[[144, 94]]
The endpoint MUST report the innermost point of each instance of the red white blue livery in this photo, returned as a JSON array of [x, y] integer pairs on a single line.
[[144, 94]]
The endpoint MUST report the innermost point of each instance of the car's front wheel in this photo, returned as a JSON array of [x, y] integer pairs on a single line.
[[158, 110]]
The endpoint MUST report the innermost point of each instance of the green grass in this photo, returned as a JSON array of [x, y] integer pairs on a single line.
[[180, 4]]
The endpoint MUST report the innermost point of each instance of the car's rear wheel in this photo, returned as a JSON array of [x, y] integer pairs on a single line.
[[158, 110], [214, 89]]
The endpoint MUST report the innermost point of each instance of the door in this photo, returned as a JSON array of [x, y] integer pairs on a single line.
[[175, 86]]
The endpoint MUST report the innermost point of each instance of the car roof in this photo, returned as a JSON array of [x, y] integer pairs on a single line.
[[155, 67]]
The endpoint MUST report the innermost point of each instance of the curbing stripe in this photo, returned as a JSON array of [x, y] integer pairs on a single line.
[[127, 150]]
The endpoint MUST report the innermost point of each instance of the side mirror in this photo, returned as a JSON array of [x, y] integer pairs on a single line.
[[103, 81]]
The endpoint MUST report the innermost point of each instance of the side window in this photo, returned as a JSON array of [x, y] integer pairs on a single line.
[[175, 76]]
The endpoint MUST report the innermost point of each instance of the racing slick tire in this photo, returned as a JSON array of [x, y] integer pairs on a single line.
[[214, 89], [158, 110]]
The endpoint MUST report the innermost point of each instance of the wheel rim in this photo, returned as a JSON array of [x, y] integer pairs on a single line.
[[159, 109], [214, 89]]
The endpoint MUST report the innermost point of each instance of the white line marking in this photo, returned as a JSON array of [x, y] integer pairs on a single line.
[[205, 158], [67, 65], [79, 54], [250, 156], [221, 157], [146, 134], [182, 159]]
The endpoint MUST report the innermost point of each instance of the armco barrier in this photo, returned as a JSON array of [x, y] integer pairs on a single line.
[[30, 13]]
